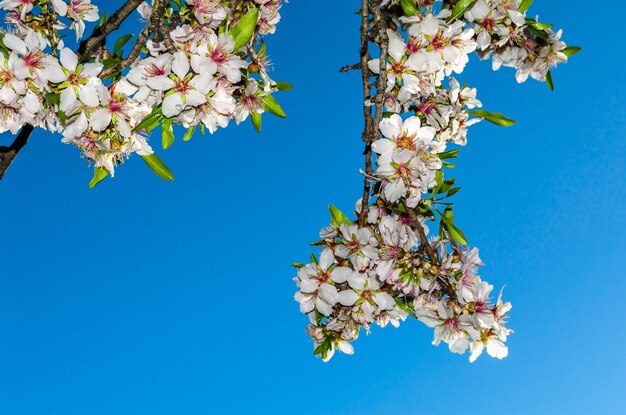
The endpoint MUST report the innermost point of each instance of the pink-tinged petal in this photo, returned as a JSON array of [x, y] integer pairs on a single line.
[[88, 95], [52, 72], [345, 347], [15, 43], [383, 146], [392, 126], [341, 274], [323, 307], [384, 301], [68, 98], [374, 65], [497, 349], [60, 7], [459, 345], [173, 105], [180, 66], [327, 258], [160, 83], [91, 70], [69, 60], [202, 65], [476, 349], [412, 125], [308, 286], [356, 280], [100, 119], [348, 298], [328, 293], [195, 98]]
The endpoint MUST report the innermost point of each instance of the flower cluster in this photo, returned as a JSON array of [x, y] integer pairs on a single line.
[[196, 63], [382, 267]]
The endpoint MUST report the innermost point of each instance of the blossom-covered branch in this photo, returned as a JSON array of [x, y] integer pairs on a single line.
[[381, 267], [190, 65]]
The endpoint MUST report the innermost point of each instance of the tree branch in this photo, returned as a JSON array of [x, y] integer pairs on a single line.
[[100, 33], [371, 132], [8, 154], [420, 231]]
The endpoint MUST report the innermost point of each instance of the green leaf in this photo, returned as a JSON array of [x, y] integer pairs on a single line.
[[525, 5], [403, 304], [271, 105], [284, 86], [167, 133], [409, 7], [337, 217], [539, 33], [460, 7], [550, 81], [494, 117], [454, 191], [158, 167], [297, 265], [450, 154], [189, 133], [150, 120], [262, 50], [243, 30], [103, 19], [121, 42], [447, 221], [257, 121], [571, 50], [99, 174], [537, 25]]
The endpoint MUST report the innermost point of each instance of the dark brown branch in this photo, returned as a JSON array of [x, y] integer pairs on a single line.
[[8, 154], [367, 111], [349, 68], [101, 32], [378, 34], [420, 231]]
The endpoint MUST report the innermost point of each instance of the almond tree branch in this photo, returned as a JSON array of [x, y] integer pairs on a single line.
[[8, 154], [378, 34], [100, 33]]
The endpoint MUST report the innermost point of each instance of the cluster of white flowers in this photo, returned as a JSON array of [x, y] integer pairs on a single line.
[[201, 65], [387, 269]]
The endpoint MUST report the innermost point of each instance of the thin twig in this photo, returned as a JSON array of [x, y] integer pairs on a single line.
[[100, 33], [349, 68], [420, 231]]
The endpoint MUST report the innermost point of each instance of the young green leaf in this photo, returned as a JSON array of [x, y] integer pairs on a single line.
[[243, 30], [284, 86], [460, 8], [494, 117], [158, 167], [271, 105], [337, 217], [257, 121], [150, 120], [99, 174], [525, 5], [409, 7], [167, 133], [189, 133], [571, 50], [550, 81], [121, 42]]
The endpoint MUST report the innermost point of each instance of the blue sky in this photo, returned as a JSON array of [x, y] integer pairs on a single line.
[[147, 297]]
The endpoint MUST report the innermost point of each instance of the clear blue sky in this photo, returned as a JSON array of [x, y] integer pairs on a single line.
[[147, 297]]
